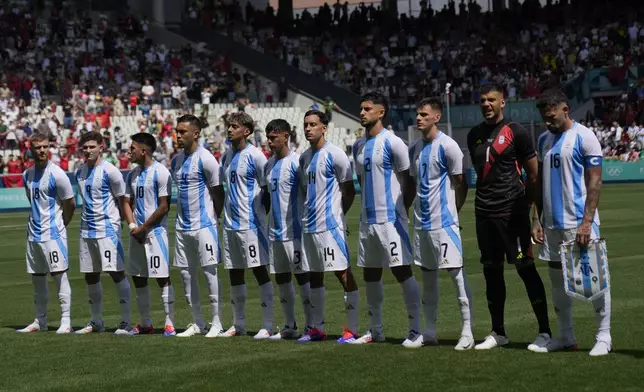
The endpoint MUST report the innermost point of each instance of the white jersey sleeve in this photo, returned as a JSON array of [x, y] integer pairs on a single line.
[[212, 172], [117, 184], [400, 154], [341, 166], [591, 149], [453, 157]]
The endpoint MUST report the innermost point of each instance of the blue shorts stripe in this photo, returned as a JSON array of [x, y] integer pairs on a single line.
[[456, 239], [342, 243], [404, 236], [63, 248], [215, 237], [163, 246]]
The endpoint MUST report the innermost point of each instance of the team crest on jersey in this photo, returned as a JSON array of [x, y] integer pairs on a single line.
[[501, 139]]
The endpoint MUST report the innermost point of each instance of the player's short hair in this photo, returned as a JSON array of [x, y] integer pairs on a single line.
[[242, 118], [191, 119], [146, 139], [321, 115], [37, 138], [490, 87], [93, 136], [434, 103], [278, 125], [377, 98], [551, 98]]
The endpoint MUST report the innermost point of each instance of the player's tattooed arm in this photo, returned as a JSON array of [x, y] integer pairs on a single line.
[[460, 188], [69, 206], [409, 189], [348, 194], [217, 194], [593, 177]]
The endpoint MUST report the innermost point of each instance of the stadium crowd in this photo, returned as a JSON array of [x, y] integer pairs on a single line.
[[527, 48], [101, 69]]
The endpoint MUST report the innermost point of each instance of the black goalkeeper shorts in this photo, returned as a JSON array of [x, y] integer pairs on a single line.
[[505, 237]]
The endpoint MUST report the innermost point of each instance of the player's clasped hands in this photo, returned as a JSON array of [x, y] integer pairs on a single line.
[[139, 233]]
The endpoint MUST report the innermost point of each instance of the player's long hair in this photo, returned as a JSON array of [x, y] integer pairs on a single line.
[[242, 118]]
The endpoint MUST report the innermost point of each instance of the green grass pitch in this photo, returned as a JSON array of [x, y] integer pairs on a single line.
[[47, 362]]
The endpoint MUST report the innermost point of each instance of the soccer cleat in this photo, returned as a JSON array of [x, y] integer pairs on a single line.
[[262, 334], [169, 331], [347, 337], [191, 330], [215, 331], [285, 333], [540, 342], [601, 348], [366, 338], [139, 330], [232, 331], [314, 335], [491, 341], [123, 329], [558, 344], [91, 327], [64, 329], [33, 327], [414, 340], [464, 343]]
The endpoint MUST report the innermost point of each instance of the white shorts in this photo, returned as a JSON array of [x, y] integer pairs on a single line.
[[245, 249], [152, 258], [326, 251], [438, 249], [384, 245], [101, 254], [197, 247], [287, 257], [549, 251], [47, 257]]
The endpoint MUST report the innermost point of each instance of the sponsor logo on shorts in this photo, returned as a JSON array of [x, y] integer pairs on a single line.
[[211, 259], [329, 265], [154, 272], [254, 261]]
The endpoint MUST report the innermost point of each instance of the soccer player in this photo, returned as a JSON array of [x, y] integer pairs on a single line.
[[499, 149], [437, 165], [326, 175], [245, 231], [570, 159], [101, 187], [200, 197], [285, 227], [382, 165], [147, 194], [51, 197]]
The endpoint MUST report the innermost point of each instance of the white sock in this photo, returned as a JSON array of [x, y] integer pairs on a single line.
[[143, 303], [123, 289], [602, 311], [238, 300], [305, 296], [430, 301], [213, 292], [65, 298], [266, 296], [191, 289], [287, 299], [562, 303], [95, 294], [318, 297], [375, 296], [352, 311], [41, 297], [167, 298], [468, 292], [464, 303], [411, 295]]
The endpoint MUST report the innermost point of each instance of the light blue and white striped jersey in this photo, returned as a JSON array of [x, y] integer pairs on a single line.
[[432, 165], [243, 173], [100, 188], [46, 189], [322, 172], [565, 157], [379, 160], [145, 187], [287, 197], [194, 175]]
